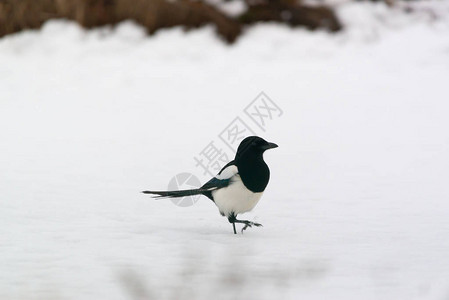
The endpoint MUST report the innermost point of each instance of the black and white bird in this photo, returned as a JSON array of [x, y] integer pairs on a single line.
[[238, 187]]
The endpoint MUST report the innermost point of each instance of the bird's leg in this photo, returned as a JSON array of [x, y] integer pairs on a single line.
[[231, 219]]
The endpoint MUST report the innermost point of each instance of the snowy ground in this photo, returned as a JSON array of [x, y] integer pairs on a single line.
[[357, 207]]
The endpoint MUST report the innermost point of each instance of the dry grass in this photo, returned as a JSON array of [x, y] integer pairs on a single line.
[[16, 15]]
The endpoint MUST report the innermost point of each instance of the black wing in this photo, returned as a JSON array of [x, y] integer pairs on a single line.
[[217, 182]]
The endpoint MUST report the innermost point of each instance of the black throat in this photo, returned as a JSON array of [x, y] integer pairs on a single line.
[[253, 170]]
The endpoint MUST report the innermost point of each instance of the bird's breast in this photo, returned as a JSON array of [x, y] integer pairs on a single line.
[[235, 198]]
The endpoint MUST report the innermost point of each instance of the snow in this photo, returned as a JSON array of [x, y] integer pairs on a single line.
[[357, 206], [229, 8]]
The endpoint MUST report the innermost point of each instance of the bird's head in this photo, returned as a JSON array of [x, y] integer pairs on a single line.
[[254, 145]]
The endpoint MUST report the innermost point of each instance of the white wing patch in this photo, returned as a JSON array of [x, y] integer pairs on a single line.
[[228, 172], [222, 180]]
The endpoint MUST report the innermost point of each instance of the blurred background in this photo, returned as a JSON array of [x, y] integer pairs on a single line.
[[101, 99]]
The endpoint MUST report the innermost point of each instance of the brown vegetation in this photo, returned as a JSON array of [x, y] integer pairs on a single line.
[[289, 12], [16, 15]]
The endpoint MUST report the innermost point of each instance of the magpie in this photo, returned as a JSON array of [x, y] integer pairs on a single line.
[[239, 185]]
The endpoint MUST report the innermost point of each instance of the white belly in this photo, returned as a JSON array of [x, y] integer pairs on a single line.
[[235, 198]]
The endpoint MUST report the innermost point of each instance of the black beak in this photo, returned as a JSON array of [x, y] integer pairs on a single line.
[[269, 146]]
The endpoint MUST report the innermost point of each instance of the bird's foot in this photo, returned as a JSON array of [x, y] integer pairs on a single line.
[[232, 218], [250, 225]]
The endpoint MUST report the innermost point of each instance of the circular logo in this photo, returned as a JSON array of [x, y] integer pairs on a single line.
[[184, 181]]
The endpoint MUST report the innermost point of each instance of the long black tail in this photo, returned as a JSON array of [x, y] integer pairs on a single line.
[[176, 194]]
